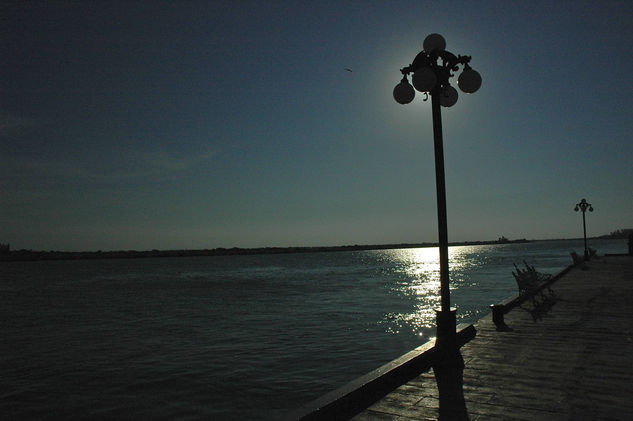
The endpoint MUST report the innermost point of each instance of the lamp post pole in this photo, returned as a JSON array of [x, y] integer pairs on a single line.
[[440, 184], [446, 317], [431, 70], [583, 206]]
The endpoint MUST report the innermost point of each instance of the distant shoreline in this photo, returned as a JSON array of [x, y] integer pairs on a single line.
[[30, 255]]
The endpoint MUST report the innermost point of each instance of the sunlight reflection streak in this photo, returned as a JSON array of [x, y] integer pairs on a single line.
[[419, 284]]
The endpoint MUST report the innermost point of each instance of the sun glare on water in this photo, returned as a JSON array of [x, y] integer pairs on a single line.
[[419, 285], [419, 271]]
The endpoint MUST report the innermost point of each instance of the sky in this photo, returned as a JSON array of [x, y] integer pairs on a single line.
[[203, 124]]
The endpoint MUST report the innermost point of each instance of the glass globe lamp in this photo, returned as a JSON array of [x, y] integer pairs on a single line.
[[424, 79], [448, 96], [403, 93], [469, 81], [434, 42]]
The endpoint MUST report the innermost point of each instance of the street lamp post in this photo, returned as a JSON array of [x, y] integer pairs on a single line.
[[583, 206], [431, 70]]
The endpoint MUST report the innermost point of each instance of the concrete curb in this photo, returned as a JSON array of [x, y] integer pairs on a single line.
[[350, 399]]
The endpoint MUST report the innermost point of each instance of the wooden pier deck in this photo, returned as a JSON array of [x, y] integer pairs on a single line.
[[572, 360]]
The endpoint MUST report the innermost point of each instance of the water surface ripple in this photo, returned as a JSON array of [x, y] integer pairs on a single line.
[[230, 337]]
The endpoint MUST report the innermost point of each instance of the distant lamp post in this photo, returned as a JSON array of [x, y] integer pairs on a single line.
[[583, 206], [431, 70]]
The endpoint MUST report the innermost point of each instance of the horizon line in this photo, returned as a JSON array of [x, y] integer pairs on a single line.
[[227, 250]]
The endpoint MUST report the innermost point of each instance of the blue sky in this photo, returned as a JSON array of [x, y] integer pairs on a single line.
[[140, 125]]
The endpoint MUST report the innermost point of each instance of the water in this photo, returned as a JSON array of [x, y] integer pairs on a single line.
[[230, 337]]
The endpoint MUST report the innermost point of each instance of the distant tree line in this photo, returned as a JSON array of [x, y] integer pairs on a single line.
[[30, 255], [621, 233]]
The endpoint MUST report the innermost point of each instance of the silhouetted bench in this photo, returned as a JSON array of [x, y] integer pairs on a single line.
[[581, 259], [530, 283], [576, 258]]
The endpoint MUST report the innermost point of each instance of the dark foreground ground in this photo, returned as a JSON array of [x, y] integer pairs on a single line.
[[571, 359]]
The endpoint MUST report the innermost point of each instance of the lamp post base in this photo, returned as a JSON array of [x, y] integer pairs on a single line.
[[446, 327], [449, 369]]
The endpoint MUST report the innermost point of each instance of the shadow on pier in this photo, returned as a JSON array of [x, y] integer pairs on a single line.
[[539, 309]]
